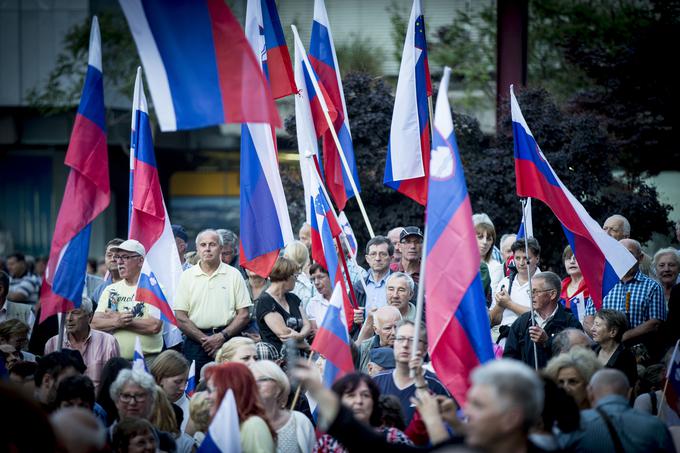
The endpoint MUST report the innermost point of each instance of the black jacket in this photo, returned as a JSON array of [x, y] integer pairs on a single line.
[[520, 347]]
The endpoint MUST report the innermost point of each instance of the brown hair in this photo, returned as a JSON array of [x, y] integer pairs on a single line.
[[169, 363], [13, 327], [163, 416], [568, 253], [128, 428], [283, 269], [490, 231]]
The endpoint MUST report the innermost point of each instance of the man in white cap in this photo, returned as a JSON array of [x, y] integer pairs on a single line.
[[120, 314]]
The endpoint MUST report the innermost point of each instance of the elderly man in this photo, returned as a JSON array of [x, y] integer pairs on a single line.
[[393, 235], [181, 239], [411, 248], [399, 382], [503, 404], [211, 303], [383, 324], [120, 314], [612, 425], [95, 347], [111, 263], [230, 247], [379, 251], [305, 236], [24, 285], [11, 310], [569, 338], [550, 318], [399, 292], [617, 226]]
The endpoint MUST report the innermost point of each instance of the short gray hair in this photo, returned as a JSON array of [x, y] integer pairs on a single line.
[[229, 238], [86, 305], [482, 218], [405, 276], [139, 378], [551, 279], [666, 251], [562, 341], [581, 359], [209, 231], [624, 221], [515, 385]]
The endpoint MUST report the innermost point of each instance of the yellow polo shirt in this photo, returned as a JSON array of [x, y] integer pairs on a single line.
[[211, 301], [122, 295]]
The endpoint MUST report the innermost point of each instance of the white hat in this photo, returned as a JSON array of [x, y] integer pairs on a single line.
[[131, 245]]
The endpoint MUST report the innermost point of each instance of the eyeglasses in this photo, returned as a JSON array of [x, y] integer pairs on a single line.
[[379, 254], [128, 397], [537, 291], [125, 257]]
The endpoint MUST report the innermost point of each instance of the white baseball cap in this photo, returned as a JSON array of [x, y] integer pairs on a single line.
[[131, 245]]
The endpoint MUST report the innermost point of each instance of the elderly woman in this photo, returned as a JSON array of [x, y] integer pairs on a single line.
[[486, 238], [666, 267], [237, 349], [572, 371], [574, 289], [294, 431], [359, 393], [257, 434], [278, 311], [134, 392], [607, 332], [170, 370]]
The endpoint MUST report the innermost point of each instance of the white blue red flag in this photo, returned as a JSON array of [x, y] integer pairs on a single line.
[[457, 322], [325, 63], [86, 195], [273, 53], [149, 222], [348, 232], [603, 261], [310, 123], [224, 435], [672, 388], [325, 229], [408, 151], [190, 388], [200, 68], [138, 362], [332, 340], [526, 228], [264, 221]]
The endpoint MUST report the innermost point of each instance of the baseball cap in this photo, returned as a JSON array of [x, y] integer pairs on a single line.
[[383, 357], [410, 231], [131, 245], [179, 232]]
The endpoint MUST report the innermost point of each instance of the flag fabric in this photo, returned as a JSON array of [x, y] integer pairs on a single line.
[[408, 150], [325, 63], [149, 222], [223, 434], [348, 232], [324, 230], [138, 362], [86, 195], [200, 68], [603, 261], [273, 52], [264, 221], [527, 225], [190, 388], [672, 388], [310, 123], [457, 322], [332, 340]]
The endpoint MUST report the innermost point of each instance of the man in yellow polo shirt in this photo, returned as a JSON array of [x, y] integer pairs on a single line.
[[119, 314], [211, 303]]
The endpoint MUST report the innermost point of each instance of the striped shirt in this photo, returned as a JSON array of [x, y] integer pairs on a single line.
[[640, 299], [28, 285]]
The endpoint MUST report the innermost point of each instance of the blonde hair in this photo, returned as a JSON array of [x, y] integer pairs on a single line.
[[271, 370], [579, 358], [163, 416], [297, 252], [228, 350], [199, 411], [169, 363]]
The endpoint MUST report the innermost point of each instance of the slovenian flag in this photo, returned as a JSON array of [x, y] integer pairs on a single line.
[[200, 68], [408, 151], [224, 435], [325, 63], [149, 222], [457, 322], [86, 195], [264, 221], [190, 388], [275, 58], [603, 261], [138, 362]]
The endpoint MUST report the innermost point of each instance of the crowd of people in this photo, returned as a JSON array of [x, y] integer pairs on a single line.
[[570, 374]]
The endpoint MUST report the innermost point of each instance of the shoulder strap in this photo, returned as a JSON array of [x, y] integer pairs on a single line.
[[652, 399], [618, 446]]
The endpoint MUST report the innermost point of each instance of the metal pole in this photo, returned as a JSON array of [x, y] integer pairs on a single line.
[[531, 292], [419, 301], [60, 338]]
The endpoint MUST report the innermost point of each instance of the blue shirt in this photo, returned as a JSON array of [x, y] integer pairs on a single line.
[[385, 381], [376, 292], [646, 300]]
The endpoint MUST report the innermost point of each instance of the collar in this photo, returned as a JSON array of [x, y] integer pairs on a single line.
[[67, 340], [581, 288], [370, 277], [376, 342], [638, 277], [612, 399], [551, 316], [221, 269]]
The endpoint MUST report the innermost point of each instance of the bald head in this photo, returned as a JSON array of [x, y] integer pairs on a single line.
[[605, 382], [617, 226], [386, 314], [78, 430], [633, 247]]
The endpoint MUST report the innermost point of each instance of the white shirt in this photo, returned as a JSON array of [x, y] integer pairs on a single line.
[[519, 295], [316, 309]]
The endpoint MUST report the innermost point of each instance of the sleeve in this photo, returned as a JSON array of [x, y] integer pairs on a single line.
[[657, 304], [241, 296], [309, 311], [182, 298], [255, 436], [265, 305]]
